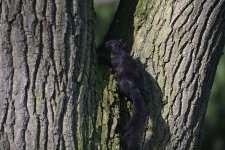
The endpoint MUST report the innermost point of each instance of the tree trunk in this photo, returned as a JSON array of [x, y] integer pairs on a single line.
[[179, 45], [54, 94], [45, 62]]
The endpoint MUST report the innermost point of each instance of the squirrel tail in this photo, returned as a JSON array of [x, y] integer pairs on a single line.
[[136, 125]]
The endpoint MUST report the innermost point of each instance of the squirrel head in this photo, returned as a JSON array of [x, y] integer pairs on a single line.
[[115, 46], [116, 51]]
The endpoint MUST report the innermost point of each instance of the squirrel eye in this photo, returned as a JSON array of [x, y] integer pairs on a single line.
[[124, 46]]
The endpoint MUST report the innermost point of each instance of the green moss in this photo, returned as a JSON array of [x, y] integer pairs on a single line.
[[79, 78], [140, 15]]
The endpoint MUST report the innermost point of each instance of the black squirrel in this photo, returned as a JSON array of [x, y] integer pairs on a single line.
[[130, 84]]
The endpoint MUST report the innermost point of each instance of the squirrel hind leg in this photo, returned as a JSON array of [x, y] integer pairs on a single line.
[[130, 142]]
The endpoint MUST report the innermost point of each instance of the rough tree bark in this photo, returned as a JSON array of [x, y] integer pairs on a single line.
[[45, 62], [55, 95], [179, 44]]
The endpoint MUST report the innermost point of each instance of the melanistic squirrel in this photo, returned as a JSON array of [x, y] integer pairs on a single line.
[[130, 83]]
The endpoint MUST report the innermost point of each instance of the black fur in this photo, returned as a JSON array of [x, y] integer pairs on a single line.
[[130, 83]]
